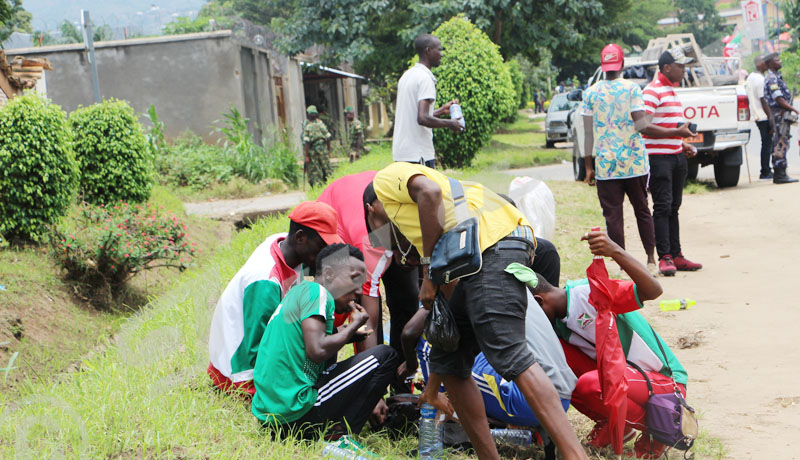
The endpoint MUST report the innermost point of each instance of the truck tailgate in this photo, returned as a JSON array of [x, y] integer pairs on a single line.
[[711, 108]]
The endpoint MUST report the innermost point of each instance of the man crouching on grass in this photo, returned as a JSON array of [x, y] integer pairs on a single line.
[[299, 386]]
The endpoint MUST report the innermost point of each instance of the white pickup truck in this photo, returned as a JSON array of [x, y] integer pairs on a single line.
[[711, 97]]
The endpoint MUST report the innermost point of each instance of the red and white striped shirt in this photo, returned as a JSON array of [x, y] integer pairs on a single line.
[[661, 102]]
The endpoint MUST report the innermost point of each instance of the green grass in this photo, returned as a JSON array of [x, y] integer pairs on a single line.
[[145, 394], [237, 187], [699, 187]]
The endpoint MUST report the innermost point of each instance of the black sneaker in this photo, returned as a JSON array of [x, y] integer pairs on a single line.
[[767, 176]]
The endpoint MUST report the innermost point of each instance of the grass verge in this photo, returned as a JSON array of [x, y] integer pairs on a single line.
[[48, 328], [147, 396]]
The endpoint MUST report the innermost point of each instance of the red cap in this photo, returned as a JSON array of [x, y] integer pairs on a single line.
[[318, 216], [611, 58]]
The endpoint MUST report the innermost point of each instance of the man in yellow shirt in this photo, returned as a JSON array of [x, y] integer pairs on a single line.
[[489, 307]]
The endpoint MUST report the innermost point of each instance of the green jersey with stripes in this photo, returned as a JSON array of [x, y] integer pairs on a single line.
[[284, 375], [640, 343]]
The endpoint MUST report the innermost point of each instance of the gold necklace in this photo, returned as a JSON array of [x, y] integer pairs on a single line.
[[403, 254]]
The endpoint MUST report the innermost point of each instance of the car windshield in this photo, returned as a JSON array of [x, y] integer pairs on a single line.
[[561, 104]]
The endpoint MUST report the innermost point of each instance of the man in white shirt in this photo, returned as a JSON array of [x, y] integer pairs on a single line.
[[415, 117], [759, 110]]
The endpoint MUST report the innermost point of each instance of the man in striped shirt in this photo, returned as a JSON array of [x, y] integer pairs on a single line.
[[668, 160]]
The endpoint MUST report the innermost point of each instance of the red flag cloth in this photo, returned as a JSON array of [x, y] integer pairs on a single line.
[[610, 356]]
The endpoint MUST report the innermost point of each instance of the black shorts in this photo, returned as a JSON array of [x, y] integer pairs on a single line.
[[489, 308]]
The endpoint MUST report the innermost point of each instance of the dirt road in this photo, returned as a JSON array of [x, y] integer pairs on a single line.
[[742, 375]]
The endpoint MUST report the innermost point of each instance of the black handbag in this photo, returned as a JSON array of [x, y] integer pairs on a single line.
[[441, 330], [458, 252]]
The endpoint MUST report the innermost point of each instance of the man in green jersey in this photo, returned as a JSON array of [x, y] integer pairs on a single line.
[[299, 386]]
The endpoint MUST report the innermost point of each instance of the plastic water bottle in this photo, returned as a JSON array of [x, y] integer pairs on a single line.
[[334, 451], [430, 435], [456, 114], [513, 437], [677, 304]]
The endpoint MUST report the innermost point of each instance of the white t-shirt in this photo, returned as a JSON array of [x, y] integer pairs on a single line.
[[755, 91], [412, 141]]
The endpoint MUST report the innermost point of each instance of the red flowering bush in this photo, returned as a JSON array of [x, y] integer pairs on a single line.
[[102, 247]]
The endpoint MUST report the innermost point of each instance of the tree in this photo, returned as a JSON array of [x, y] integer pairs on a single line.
[[13, 18], [220, 11], [641, 24], [791, 15], [70, 32], [700, 18], [263, 11]]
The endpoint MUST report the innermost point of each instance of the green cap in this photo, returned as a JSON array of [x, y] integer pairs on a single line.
[[348, 109], [311, 109]]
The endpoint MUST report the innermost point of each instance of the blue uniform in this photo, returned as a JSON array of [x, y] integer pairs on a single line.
[[775, 87]]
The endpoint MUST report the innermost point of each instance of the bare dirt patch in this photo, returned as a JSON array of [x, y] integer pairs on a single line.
[[743, 377]]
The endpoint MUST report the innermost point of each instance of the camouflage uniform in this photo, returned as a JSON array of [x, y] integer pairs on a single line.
[[318, 165], [775, 87], [356, 130]]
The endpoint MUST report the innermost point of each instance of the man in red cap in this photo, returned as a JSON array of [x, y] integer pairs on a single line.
[[614, 118], [254, 293]]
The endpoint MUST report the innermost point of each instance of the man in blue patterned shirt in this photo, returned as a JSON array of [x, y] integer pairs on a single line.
[[621, 160]]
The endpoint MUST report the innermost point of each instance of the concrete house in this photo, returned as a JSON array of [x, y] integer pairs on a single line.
[[192, 80]]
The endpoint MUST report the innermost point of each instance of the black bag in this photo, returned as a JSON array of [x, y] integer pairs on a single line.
[[457, 253], [440, 325]]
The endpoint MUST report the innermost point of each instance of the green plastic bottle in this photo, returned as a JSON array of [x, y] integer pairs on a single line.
[[677, 304]]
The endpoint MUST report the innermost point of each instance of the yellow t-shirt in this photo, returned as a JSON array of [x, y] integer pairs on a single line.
[[496, 216]]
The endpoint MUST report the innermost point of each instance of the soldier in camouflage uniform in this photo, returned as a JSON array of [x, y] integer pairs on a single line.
[[355, 134], [317, 148], [784, 115]]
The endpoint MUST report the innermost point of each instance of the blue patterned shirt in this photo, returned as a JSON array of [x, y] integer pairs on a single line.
[[618, 148]]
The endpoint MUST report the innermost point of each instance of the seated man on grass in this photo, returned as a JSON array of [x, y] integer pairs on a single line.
[[299, 385], [256, 290], [573, 318]]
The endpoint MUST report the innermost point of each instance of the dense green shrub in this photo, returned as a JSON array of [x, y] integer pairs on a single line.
[[190, 162], [276, 160], [38, 173], [791, 69], [101, 247], [473, 72], [116, 163]]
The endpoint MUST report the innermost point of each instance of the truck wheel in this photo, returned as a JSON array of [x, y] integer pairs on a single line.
[[726, 175], [549, 144], [694, 167], [578, 164]]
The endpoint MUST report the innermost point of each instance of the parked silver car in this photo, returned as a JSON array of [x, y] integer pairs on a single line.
[[555, 123]]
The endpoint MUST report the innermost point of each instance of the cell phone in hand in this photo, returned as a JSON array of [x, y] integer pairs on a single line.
[[692, 126]]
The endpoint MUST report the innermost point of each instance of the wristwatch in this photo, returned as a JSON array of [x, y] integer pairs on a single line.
[[424, 260]]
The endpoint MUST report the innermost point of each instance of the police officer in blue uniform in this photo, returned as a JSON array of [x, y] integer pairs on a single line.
[[783, 113]]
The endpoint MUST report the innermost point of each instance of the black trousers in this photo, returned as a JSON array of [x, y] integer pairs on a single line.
[[348, 391], [766, 146], [489, 309], [546, 261], [402, 290], [667, 177], [611, 193]]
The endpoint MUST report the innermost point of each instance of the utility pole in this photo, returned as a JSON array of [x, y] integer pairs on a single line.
[[86, 24]]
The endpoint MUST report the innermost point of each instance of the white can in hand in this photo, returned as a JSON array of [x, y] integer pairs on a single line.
[[455, 114]]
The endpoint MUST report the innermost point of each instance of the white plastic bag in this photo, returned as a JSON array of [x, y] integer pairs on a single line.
[[535, 200]]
